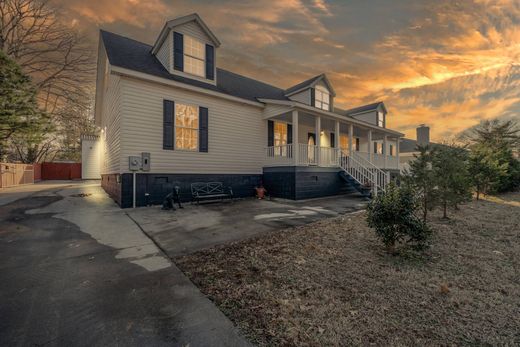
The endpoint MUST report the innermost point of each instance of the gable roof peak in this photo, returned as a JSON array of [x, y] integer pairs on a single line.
[[182, 20], [311, 82], [366, 108]]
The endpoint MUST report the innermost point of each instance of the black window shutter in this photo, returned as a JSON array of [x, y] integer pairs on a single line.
[[270, 133], [178, 51], [168, 119], [203, 129], [332, 140], [313, 97], [357, 143], [289, 134], [210, 62], [375, 147]]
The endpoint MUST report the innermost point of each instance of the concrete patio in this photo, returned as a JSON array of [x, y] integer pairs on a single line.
[[196, 227]]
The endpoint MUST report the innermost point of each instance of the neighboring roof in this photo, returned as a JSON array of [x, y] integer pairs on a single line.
[[410, 146], [311, 82], [365, 108], [134, 55], [182, 20]]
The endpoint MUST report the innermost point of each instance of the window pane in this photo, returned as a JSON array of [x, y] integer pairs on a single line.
[[194, 66], [193, 47], [186, 126]]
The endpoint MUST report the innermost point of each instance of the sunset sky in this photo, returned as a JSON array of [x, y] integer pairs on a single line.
[[448, 64]]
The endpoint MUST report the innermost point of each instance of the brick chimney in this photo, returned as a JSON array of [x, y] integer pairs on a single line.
[[423, 135]]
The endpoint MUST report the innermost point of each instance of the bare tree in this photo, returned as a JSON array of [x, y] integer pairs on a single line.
[[60, 62]]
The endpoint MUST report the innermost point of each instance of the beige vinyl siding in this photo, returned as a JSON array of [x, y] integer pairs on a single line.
[[111, 126], [235, 137], [303, 97], [91, 158], [272, 110], [194, 30], [165, 52]]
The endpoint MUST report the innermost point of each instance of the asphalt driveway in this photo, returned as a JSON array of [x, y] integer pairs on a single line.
[[75, 270]]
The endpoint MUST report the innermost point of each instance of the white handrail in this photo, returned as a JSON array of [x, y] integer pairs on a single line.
[[364, 172]]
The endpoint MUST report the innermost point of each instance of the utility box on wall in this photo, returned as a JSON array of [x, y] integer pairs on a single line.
[[134, 163], [145, 157]]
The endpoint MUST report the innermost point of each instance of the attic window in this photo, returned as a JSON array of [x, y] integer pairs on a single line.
[[322, 98], [381, 119], [193, 56]]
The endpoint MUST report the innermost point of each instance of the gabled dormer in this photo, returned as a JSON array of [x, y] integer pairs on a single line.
[[186, 47], [373, 113], [316, 91]]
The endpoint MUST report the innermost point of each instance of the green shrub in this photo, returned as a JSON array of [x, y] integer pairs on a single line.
[[392, 215]]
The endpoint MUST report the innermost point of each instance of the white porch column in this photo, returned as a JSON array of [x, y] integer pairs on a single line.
[[295, 142], [350, 139], [370, 147], [336, 136], [385, 149], [317, 131]]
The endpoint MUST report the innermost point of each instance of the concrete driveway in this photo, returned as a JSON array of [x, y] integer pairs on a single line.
[[76, 270], [196, 227]]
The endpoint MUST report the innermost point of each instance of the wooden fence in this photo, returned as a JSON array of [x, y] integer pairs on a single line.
[[16, 174]]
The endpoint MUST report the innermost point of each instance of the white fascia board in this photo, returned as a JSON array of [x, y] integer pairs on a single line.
[[150, 78]]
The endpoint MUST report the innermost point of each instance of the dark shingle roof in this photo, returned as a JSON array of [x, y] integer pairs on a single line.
[[137, 56], [364, 108], [302, 84]]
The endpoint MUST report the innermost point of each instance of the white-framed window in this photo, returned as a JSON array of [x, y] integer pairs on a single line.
[[322, 98], [186, 127], [280, 139], [194, 56], [380, 119]]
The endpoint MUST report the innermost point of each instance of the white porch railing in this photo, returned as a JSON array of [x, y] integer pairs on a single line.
[[279, 155], [375, 177], [329, 156], [307, 154], [310, 155]]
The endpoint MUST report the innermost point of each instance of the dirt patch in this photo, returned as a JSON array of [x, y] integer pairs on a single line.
[[331, 283]]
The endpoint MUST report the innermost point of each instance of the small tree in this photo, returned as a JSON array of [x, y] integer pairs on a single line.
[[392, 215], [484, 169], [420, 177], [449, 164], [17, 101]]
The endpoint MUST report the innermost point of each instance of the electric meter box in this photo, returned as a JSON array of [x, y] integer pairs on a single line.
[[134, 163]]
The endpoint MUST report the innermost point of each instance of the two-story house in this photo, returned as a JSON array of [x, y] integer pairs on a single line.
[[202, 123]]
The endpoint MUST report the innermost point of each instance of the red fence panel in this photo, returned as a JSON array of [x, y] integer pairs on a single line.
[[61, 171], [37, 172]]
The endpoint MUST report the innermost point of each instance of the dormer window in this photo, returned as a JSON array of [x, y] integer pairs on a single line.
[[194, 56], [322, 98], [381, 119]]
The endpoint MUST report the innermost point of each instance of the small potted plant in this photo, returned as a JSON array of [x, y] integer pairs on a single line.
[[260, 192]]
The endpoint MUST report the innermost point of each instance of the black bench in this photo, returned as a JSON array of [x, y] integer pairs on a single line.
[[209, 191]]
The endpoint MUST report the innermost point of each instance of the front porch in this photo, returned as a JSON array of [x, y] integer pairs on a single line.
[[294, 142]]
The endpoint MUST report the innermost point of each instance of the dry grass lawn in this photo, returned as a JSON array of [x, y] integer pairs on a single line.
[[331, 282]]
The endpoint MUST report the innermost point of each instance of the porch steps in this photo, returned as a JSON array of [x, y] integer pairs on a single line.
[[365, 191]]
